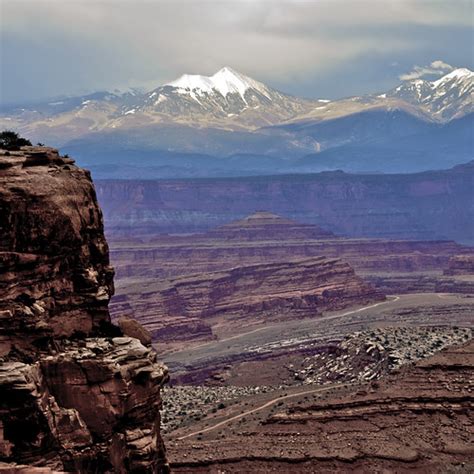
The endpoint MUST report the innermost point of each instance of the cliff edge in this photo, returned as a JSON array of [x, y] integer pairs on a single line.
[[76, 394]]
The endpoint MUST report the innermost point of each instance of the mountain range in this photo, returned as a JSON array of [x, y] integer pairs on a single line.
[[230, 124]]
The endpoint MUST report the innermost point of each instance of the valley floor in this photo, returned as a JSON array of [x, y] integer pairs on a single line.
[[260, 395], [418, 309]]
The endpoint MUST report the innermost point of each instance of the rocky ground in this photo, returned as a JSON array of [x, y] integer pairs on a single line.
[[361, 357], [417, 419], [184, 404], [371, 354], [276, 345]]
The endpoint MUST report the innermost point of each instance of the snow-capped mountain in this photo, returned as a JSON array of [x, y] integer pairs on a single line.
[[230, 114], [224, 82], [227, 99], [449, 97]]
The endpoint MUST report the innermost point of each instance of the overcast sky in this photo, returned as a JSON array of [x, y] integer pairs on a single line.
[[316, 48]]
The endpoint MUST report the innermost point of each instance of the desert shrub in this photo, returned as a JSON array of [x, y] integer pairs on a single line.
[[10, 140]]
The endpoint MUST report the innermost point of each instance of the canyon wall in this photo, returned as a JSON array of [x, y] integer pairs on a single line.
[[255, 293], [428, 205], [176, 284], [460, 265], [202, 253], [76, 393]]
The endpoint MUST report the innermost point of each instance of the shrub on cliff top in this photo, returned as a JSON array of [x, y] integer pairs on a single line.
[[10, 140]]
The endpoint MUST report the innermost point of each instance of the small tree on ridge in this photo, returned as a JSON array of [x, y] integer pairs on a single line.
[[10, 140]]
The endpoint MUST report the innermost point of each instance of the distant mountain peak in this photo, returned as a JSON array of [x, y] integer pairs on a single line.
[[460, 73], [225, 81], [448, 97]]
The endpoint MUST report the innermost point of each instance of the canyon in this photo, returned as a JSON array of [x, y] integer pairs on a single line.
[[194, 306], [266, 267], [77, 394], [431, 205], [286, 345], [236, 240], [331, 389]]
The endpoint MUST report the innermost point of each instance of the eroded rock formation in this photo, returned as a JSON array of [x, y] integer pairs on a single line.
[[75, 393], [263, 238], [166, 256], [264, 225], [281, 290]]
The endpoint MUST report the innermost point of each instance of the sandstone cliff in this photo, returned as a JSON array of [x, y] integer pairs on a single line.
[[254, 293], [76, 394]]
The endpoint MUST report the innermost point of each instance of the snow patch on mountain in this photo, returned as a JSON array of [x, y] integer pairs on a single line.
[[459, 73], [445, 98], [225, 81]]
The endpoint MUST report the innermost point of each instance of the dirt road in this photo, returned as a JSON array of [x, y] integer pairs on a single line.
[[259, 408]]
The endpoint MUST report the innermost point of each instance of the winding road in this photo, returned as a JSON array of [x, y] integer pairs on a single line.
[[322, 318], [271, 402], [259, 408]]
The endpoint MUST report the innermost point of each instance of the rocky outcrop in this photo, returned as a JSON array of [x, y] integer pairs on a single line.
[[75, 394], [131, 327], [263, 225], [460, 265], [282, 290]]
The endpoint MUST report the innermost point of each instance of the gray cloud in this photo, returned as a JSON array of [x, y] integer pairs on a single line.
[[437, 68], [52, 47]]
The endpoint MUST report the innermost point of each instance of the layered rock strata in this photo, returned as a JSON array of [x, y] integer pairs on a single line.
[[417, 420], [460, 265], [265, 237], [430, 282], [428, 205], [167, 257], [75, 393], [284, 290], [264, 225]]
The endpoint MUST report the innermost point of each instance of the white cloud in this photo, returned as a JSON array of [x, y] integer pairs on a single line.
[[438, 68]]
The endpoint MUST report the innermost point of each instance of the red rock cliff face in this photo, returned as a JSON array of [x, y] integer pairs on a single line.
[[263, 292], [75, 393]]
